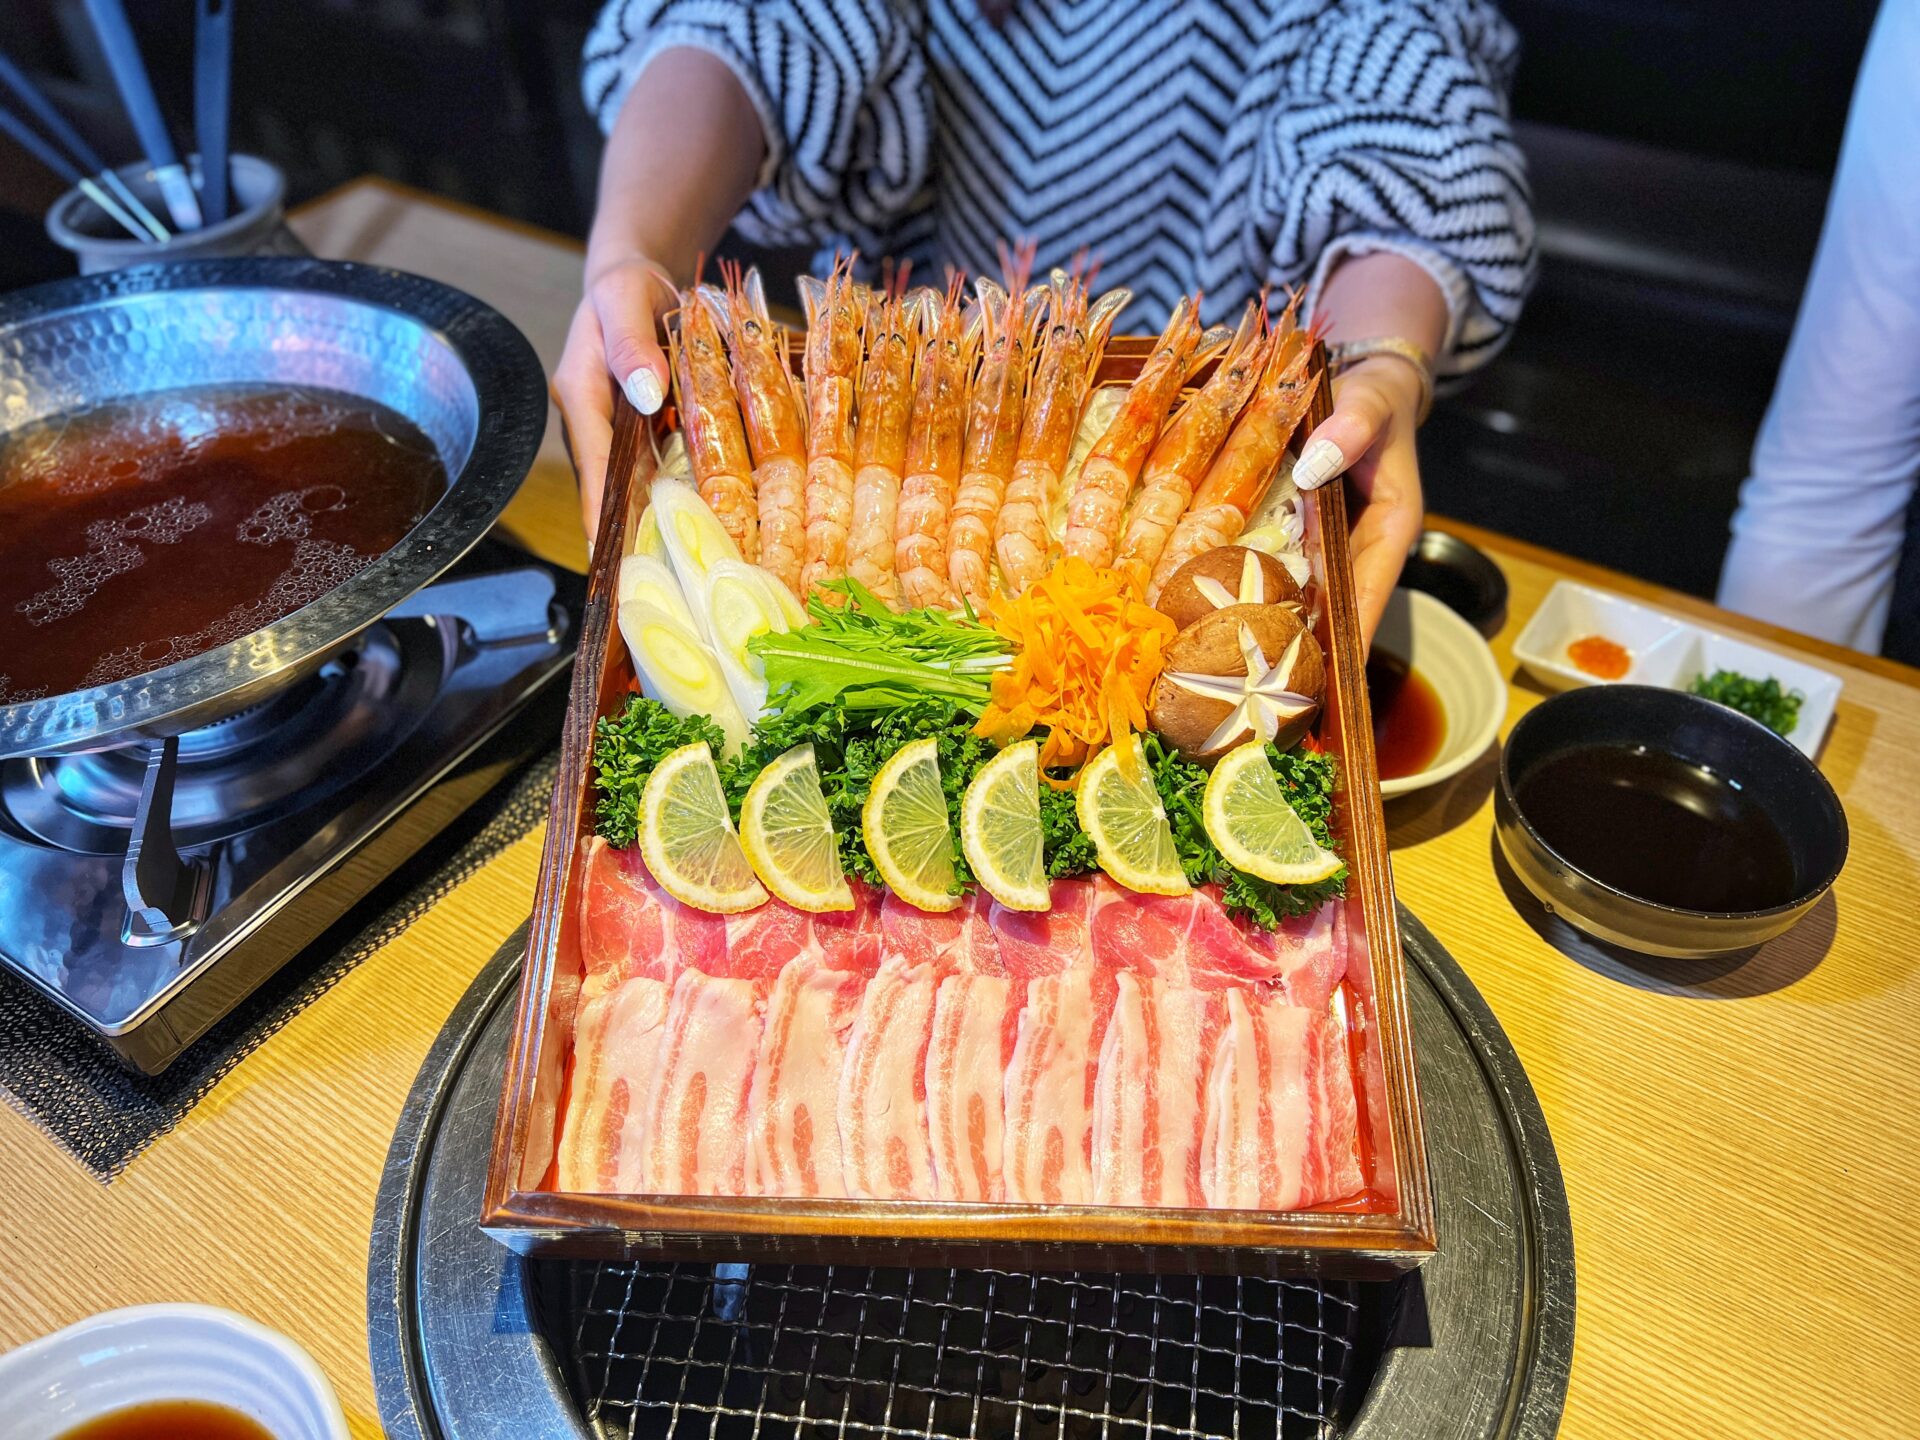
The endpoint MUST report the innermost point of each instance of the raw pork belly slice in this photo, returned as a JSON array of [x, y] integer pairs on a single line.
[[697, 1103], [1281, 1128], [1049, 1111], [1333, 1141], [615, 1042], [1150, 1102], [974, 1025], [852, 939], [885, 1149], [1254, 1150], [793, 1134], [623, 926], [960, 939]]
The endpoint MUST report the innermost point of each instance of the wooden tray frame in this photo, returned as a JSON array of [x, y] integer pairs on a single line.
[[521, 1214]]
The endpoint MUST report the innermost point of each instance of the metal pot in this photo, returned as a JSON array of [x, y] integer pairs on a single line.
[[456, 368]]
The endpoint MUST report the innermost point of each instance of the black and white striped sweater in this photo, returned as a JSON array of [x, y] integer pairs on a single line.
[[1217, 145]]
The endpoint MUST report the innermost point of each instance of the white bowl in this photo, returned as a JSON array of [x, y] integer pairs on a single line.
[[1450, 653], [165, 1352], [1664, 650]]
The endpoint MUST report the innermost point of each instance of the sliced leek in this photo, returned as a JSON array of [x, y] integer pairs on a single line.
[[739, 605], [648, 578], [677, 669]]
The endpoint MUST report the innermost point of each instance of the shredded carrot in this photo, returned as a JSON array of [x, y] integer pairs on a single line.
[[1085, 656]]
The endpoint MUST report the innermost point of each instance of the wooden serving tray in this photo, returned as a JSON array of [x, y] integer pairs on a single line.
[[1389, 1228]]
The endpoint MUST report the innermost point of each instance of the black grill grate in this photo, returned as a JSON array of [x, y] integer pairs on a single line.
[[684, 1352]]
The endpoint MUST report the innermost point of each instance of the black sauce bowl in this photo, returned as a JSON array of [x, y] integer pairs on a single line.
[[1461, 577], [1784, 783]]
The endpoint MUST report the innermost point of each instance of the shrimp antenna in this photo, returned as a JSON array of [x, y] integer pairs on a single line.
[[1016, 264]]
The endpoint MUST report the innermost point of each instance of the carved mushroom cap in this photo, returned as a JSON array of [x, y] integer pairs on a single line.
[[1226, 575], [1235, 673]]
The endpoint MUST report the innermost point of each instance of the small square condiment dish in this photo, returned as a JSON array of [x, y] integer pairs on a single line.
[[1666, 651]]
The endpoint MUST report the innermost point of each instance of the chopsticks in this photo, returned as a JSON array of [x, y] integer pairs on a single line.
[[136, 94], [212, 108], [123, 206], [212, 84], [25, 137]]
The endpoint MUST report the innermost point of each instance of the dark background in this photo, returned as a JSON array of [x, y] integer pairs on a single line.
[[1680, 153]]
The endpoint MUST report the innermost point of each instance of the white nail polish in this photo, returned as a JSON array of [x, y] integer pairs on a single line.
[[1321, 462], [643, 390]]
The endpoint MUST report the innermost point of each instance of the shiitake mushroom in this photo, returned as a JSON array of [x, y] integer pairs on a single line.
[[1206, 684], [1226, 575]]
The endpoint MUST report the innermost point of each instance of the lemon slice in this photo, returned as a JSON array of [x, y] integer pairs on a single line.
[[907, 830], [788, 835], [686, 835], [1123, 815], [1000, 829], [1254, 828]]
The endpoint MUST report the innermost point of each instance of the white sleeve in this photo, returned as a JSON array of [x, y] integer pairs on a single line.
[[1821, 522]]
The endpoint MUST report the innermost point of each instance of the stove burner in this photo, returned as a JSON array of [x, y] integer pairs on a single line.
[[247, 769]]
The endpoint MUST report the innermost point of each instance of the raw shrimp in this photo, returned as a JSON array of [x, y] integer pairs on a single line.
[[880, 442], [1111, 467], [763, 384], [1076, 340], [710, 425], [1189, 443], [831, 368], [1240, 478], [933, 449], [1010, 323]]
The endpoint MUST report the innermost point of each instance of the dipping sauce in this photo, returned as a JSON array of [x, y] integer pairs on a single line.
[[1600, 657], [1659, 828], [170, 1420], [147, 530], [1409, 722]]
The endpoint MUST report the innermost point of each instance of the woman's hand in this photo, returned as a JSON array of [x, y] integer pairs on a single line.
[[680, 161], [613, 340], [1369, 439], [1376, 405]]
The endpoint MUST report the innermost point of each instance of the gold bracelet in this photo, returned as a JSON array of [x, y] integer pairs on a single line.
[[1345, 353]]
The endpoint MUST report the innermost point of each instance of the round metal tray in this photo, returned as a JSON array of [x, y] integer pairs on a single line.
[[470, 1342]]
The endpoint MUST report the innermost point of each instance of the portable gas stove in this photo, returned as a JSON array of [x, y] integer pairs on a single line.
[[148, 888]]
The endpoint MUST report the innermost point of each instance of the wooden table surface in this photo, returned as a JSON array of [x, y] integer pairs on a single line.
[[1740, 1146]]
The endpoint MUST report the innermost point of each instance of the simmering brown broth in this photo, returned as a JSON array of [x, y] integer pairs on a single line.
[[145, 531]]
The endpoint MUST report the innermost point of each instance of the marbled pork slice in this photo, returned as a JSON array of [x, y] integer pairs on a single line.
[[852, 939], [960, 939]]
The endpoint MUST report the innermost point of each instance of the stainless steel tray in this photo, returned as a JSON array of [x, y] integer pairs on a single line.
[[472, 1342]]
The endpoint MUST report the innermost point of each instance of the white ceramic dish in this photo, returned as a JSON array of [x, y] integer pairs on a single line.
[[165, 1352], [1666, 651], [1447, 650]]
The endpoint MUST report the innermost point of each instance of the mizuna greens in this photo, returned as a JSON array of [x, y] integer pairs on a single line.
[[863, 656]]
